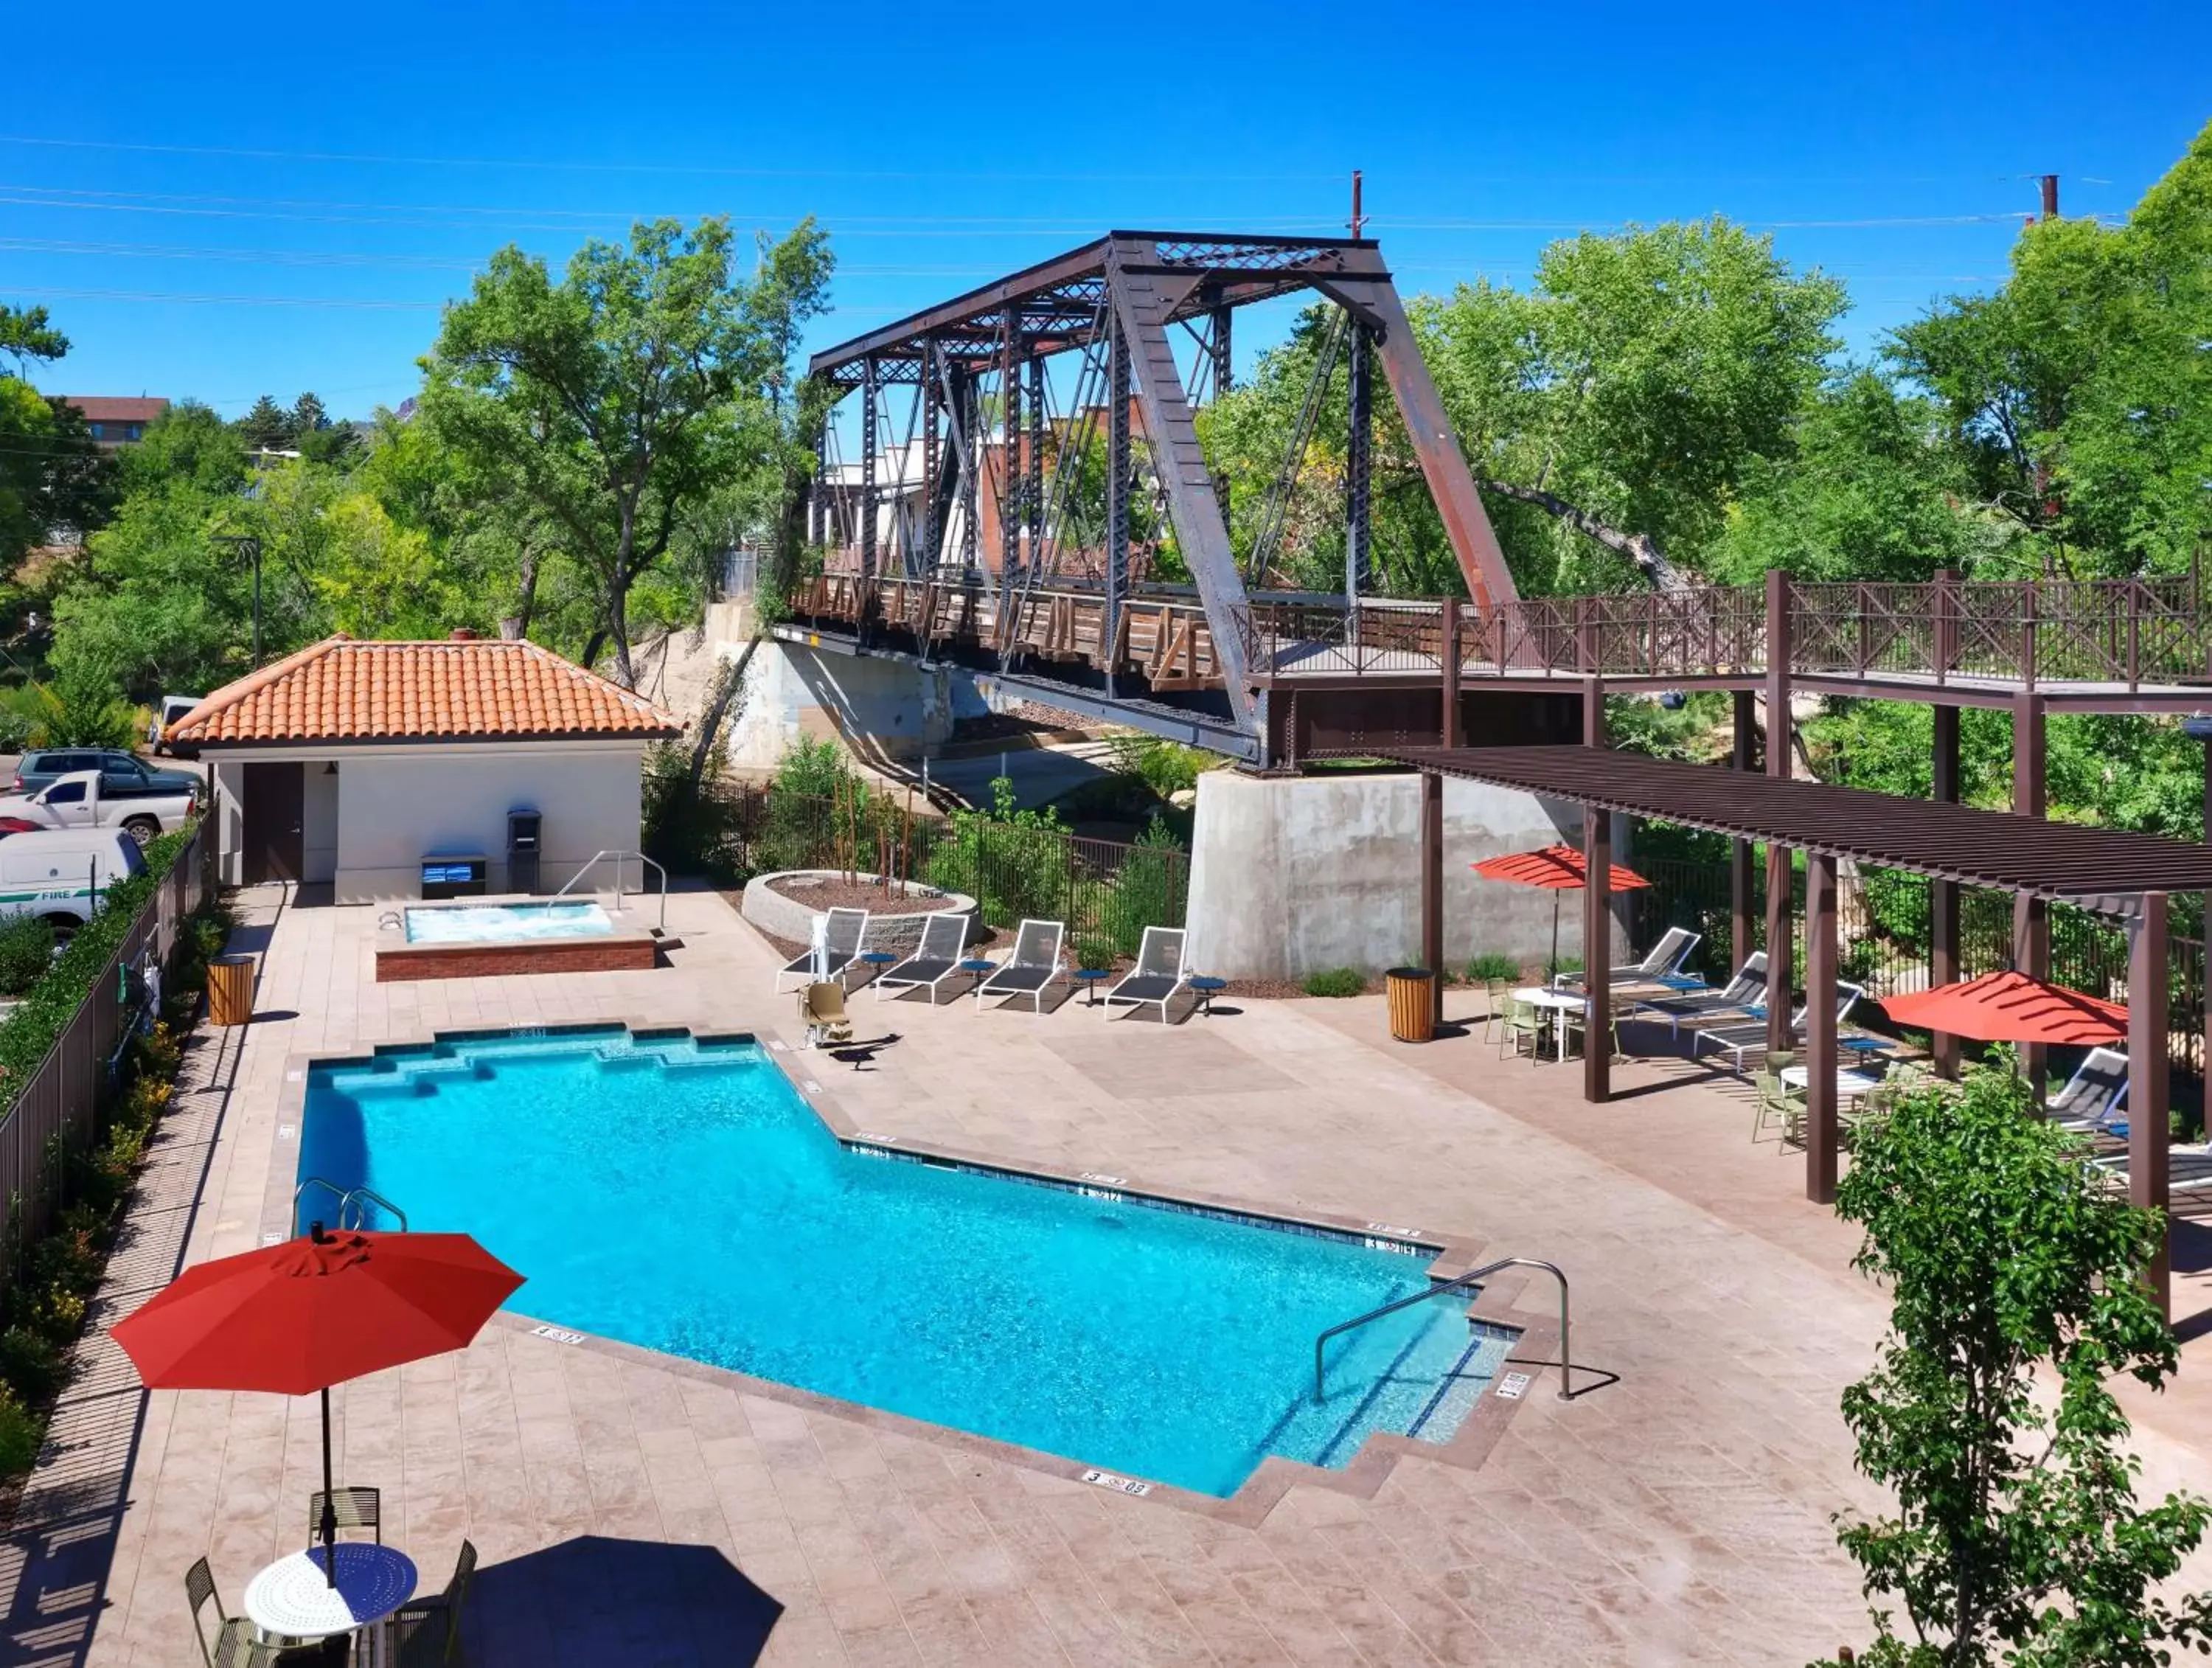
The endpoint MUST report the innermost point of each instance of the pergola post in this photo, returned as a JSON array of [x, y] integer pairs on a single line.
[[1597, 918], [1943, 895], [1781, 959], [1448, 652], [1739, 886], [2147, 1084], [1432, 888], [2030, 916], [1820, 1028]]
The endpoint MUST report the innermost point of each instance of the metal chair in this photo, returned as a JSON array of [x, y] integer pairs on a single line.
[[235, 1646], [429, 1629], [1781, 1109], [353, 1508], [1522, 1019]]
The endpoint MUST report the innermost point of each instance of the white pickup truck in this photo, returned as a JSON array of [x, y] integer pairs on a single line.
[[78, 800]]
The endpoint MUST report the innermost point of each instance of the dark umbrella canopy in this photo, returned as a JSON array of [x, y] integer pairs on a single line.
[[297, 1317]]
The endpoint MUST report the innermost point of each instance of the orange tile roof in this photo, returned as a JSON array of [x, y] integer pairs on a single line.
[[471, 690]]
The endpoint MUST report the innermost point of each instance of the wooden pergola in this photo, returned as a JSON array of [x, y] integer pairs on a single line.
[[2130, 875]]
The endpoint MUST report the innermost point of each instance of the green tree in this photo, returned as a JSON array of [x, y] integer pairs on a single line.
[[625, 394], [2017, 1536], [27, 333], [267, 427]]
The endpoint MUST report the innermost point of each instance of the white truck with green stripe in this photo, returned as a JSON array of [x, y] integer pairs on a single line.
[[61, 873]]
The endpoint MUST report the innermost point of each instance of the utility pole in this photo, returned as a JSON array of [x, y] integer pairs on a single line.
[[252, 545], [2050, 195], [1358, 218]]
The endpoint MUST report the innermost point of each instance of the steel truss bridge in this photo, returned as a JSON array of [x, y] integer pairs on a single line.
[[961, 533]]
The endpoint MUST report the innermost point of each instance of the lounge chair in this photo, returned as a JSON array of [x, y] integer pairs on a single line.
[[1737, 1039], [841, 940], [822, 1011], [944, 946], [1745, 993], [1033, 966], [1160, 972], [2093, 1094], [1664, 962], [2188, 1169]]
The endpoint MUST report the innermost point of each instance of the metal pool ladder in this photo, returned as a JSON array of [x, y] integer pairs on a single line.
[[644, 863], [1457, 1283], [353, 1204]]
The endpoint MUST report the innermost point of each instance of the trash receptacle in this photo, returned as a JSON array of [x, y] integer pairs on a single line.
[[1413, 1003], [230, 989]]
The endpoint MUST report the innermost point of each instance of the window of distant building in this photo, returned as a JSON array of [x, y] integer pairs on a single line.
[[99, 431], [136, 430]]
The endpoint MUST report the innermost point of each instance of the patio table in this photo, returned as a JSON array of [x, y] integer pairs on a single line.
[[1561, 1002], [1851, 1082], [293, 1598]]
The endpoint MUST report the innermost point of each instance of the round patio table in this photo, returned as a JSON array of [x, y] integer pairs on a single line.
[[877, 960], [1206, 986], [1561, 1002], [293, 1599], [1089, 978]]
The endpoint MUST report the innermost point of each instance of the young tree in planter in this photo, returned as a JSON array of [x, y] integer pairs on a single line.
[[2017, 1537]]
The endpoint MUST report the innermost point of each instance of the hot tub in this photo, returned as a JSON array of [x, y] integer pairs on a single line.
[[522, 935]]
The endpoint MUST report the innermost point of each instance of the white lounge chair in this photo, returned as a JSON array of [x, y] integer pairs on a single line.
[[1750, 1035], [1160, 974], [841, 937], [2188, 1169], [1663, 961], [935, 959], [1746, 991], [2093, 1094], [1033, 966]]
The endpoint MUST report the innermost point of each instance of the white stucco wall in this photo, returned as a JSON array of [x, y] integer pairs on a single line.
[[1293, 876], [389, 808]]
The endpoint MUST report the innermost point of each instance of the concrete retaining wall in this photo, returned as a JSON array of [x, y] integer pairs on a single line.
[[1292, 876], [787, 918], [889, 708]]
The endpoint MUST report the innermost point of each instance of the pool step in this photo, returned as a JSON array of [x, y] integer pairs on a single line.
[[1426, 1392]]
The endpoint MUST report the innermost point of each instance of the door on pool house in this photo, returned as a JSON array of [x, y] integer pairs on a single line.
[[271, 847]]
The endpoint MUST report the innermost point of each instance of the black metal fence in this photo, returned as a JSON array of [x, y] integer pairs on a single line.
[[1108, 891], [1882, 926], [63, 1097]]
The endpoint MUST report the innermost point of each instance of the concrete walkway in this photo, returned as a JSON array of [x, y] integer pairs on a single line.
[[628, 1508]]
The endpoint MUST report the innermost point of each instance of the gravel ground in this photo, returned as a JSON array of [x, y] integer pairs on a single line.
[[871, 895]]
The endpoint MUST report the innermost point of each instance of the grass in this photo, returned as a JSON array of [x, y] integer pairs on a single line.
[[1336, 982]]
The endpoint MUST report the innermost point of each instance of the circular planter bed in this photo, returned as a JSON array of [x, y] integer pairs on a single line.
[[784, 905]]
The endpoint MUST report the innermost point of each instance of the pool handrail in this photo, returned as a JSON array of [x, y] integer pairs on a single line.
[[643, 863], [1456, 1283], [349, 1198]]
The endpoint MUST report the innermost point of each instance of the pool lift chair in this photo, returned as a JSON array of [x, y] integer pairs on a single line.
[[822, 1011]]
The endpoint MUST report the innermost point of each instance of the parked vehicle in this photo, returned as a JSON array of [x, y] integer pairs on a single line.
[[127, 773], [140, 805], [61, 873], [167, 712]]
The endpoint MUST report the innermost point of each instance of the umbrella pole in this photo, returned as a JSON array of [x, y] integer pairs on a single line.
[[1552, 968], [330, 1503]]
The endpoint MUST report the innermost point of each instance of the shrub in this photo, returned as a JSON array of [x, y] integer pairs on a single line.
[[1560, 964], [1149, 891], [1492, 967], [21, 1433], [27, 951], [1092, 951], [1336, 982], [30, 1366]]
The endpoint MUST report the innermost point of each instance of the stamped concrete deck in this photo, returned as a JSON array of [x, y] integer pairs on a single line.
[[629, 1511]]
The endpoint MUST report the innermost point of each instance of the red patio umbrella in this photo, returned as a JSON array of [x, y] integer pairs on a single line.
[[299, 1316], [2010, 1007], [1556, 868]]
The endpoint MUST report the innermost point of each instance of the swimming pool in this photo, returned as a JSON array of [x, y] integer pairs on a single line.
[[491, 923], [681, 1196]]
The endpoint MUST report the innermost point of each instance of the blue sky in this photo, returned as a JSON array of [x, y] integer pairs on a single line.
[[216, 211]]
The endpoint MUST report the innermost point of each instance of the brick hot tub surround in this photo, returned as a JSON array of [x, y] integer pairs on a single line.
[[399, 962]]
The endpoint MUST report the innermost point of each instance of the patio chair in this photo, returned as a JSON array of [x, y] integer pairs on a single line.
[[429, 1629], [1523, 1020], [1579, 1024], [2094, 1093], [1781, 1109], [935, 959], [822, 1011], [235, 1644], [1749, 1036], [1033, 966], [1160, 972], [350, 1508], [841, 939], [1663, 961], [1745, 993]]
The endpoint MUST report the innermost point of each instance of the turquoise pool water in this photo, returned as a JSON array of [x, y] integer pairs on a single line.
[[488, 923], [683, 1198]]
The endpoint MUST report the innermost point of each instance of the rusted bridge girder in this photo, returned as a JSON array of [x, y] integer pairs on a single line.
[[1116, 299]]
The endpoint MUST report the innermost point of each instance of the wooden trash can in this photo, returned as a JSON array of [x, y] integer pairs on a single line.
[[1413, 1003], [230, 989]]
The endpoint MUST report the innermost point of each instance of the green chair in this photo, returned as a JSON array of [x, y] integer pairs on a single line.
[[235, 1644], [429, 1629], [1523, 1020], [1493, 1007], [1578, 1025], [1781, 1109]]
